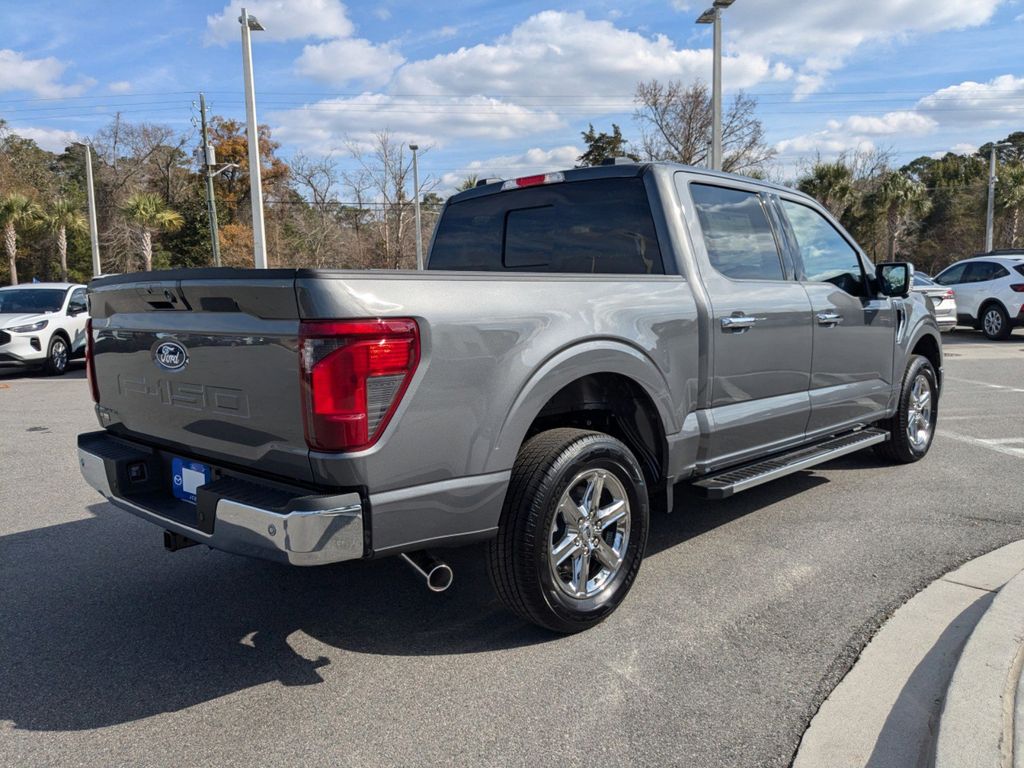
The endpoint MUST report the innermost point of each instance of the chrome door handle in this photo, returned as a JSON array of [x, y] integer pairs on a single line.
[[829, 318], [738, 322]]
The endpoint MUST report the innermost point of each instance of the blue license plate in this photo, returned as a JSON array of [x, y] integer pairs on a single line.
[[187, 476]]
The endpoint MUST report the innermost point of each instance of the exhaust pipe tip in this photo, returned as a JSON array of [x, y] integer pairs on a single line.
[[436, 573]]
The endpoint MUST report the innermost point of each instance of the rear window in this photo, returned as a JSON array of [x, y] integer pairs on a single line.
[[1019, 268], [590, 227]]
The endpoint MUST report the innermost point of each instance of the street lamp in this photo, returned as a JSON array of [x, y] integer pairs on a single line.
[[250, 24], [94, 238], [416, 207], [990, 213], [713, 15]]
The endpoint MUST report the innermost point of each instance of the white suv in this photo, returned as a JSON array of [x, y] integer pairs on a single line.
[[989, 291], [42, 324]]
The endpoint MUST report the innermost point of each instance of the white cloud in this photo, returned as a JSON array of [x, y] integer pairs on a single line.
[[534, 160], [50, 139], [566, 54], [963, 148], [1000, 100], [340, 61], [857, 132], [120, 86], [40, 76], [282, 19], [326, 125], [801, 31], [382, 13]]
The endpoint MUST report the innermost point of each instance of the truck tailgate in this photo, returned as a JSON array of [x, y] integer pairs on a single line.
[[207, 365]]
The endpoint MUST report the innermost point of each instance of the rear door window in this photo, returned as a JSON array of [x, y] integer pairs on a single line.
[[738, 237], [603, 226]]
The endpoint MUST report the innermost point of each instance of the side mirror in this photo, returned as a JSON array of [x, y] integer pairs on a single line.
[[894, 278], [77, 309]]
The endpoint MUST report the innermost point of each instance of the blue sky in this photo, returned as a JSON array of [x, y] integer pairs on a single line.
[[503, 88]]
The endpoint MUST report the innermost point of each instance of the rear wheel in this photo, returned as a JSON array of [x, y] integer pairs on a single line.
[[56, 356], [573, 530], [995, 323], [912, 429]]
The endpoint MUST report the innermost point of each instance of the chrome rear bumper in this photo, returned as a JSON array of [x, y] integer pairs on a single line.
[[310, 530]]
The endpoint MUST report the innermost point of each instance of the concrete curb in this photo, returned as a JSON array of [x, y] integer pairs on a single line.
[[885, 712], [976, 728]]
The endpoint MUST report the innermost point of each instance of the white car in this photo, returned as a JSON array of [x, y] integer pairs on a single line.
[[943, 300], [43, 324], [989, 291]]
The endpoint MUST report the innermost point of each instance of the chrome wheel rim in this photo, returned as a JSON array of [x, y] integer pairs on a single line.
[[59, 354], [993, 322], [589, 534], [919, 418]]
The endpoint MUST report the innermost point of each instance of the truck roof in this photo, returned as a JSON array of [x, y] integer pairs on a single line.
[[622, 169]]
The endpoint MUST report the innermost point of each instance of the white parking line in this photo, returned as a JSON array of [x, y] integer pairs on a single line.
[[1000, 445], [988, 384]]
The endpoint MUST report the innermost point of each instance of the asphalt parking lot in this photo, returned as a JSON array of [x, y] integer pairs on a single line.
[[745, 615]]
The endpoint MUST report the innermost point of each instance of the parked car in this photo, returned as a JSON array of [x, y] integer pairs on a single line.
[[943, 300], [989, 291], [42, 325], [580, 342]]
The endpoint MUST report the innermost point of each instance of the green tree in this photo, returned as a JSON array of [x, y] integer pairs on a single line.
[[903, 202], [60, 218], [602, 146], [1010, 196], [832, 185], [467, 183], [17, 213], [149, 214]]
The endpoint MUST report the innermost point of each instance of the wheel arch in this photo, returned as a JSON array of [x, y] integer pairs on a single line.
[[609, 386], [928, 345]]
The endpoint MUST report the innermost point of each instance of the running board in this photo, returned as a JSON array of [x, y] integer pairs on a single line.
[[738, 479]]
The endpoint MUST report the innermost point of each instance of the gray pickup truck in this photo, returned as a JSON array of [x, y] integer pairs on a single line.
[[580, 342]]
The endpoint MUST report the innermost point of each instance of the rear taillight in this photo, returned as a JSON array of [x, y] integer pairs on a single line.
[[1017, 287], [90, 362], [534, 181], [950, 294], [354, 374]]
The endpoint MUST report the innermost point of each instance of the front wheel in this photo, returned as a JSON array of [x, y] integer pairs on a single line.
[[56, 357], [912, 428], [573, 530]]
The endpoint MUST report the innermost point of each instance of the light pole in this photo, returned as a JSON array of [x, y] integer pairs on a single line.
[[416, 207], [249, 23], [713, 15], [94, 238], [990, 213]]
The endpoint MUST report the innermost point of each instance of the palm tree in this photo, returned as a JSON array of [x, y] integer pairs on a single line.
[[832, 184], [63, 217], [16, 212], [150, 213], [1011, 196], [903, 201]]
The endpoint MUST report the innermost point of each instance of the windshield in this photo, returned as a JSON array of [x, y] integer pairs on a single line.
[[34, 300]]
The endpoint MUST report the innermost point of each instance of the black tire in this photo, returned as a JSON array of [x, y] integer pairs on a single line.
[[994, 322], [900, 448], [57, 354], [519, 557]]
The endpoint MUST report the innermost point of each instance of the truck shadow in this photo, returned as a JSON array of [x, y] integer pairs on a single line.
[[102, 627]]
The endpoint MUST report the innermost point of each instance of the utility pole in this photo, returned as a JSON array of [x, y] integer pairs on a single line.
[[249, 23], [713, 15], [90, 191], [990, 213], [209, 160], [416, 207]]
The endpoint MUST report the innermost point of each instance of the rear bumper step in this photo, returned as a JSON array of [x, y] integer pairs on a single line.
[[730, 481], [247, 519]]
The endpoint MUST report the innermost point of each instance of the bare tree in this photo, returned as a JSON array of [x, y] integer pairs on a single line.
[[675, 122], [381, 181]]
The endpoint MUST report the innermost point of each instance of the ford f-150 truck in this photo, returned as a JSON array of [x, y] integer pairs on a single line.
[[579, 343]]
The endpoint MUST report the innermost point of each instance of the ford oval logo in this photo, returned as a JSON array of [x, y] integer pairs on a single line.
[[170, 355]]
